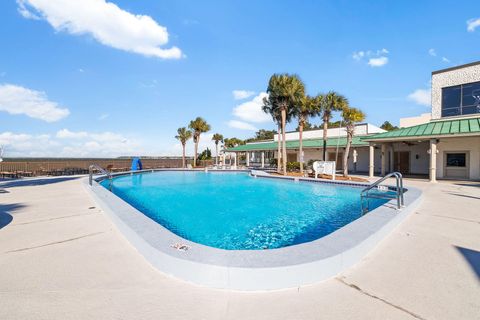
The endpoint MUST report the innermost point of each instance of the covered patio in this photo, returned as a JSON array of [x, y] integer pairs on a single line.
[[446, 149], [262, 154]]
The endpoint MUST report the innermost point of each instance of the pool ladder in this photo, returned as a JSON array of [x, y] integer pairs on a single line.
[[96, 167], [365, 195]]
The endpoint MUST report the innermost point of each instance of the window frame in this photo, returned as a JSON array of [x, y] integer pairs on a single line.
[[460, 105]]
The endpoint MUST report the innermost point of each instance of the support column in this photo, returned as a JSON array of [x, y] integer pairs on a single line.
[[248, 158], [433, 160], [371, 161], [235, 160], [384, 159], [355, 155], [392, 156], [263, 159]]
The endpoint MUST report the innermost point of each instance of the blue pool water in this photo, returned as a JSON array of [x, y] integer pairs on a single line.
[[237, 212]]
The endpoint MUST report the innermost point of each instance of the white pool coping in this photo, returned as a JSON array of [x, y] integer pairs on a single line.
[[254, 270]]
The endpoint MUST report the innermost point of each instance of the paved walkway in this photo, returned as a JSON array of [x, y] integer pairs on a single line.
[[61, 258]]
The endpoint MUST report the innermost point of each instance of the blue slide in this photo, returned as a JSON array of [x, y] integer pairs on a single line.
[[136, 164]]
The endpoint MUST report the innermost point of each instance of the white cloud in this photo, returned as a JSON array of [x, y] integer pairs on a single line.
[[242, 94], [35, 104], [378, 62], [24, 12], [103, 116], [445, 59], [432, 52], [472, 24], [358, 55], [67, 143], [241, 125], [105, 22], [421, 96], [67, 134], [251, 111], [376, 58]]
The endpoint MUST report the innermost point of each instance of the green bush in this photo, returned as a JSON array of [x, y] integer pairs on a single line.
[[293, 166]]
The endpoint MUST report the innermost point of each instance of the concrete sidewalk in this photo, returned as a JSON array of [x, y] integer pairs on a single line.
[[61, 258]]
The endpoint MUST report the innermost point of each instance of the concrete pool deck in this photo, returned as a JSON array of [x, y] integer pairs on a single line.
[[62, 258]]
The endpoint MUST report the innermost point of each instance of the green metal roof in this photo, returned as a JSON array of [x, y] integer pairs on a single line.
[[295, 144], [432, 129]]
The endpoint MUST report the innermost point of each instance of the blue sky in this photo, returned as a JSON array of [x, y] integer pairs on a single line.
[[92, 78]]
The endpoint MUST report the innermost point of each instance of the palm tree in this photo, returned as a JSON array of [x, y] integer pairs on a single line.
[[217, 137], [284, 93], [199, 126], [350, 117], [270, 108], [183, 136], [331, 102], [308, 106]]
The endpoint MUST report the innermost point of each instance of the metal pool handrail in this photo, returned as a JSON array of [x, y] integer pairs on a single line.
[[103, 171], [398, 194]]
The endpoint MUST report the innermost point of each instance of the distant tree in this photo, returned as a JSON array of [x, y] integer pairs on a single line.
[[198, 126], [307, 126], [232, 142], [262, 134], [388, 126], [205, 155], [217, 137], [183, 136], [335, 124]]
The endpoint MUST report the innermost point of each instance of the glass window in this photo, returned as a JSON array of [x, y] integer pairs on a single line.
[[471, 94], [456, 160], [451, 112], [460, 100], [471, 110], [451, 97]]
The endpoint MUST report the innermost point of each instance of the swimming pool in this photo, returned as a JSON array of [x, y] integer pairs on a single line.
[[235, 211]]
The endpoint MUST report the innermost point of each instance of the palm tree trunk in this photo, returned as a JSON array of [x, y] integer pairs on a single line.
[[183, 155], [301, 146], [347, 151], [279, 147], [325, 128], [216, 156], [284, 145], [195, 152]]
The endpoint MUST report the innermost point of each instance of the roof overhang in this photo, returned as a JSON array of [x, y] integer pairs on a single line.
[[423, 138]]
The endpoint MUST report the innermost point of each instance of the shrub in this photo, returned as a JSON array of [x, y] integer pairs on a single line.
[[293, 166]]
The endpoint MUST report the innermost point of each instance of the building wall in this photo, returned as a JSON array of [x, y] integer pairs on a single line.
[[360, 129], [419, 157], [413, 121], [448, 79], [470, 144]]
